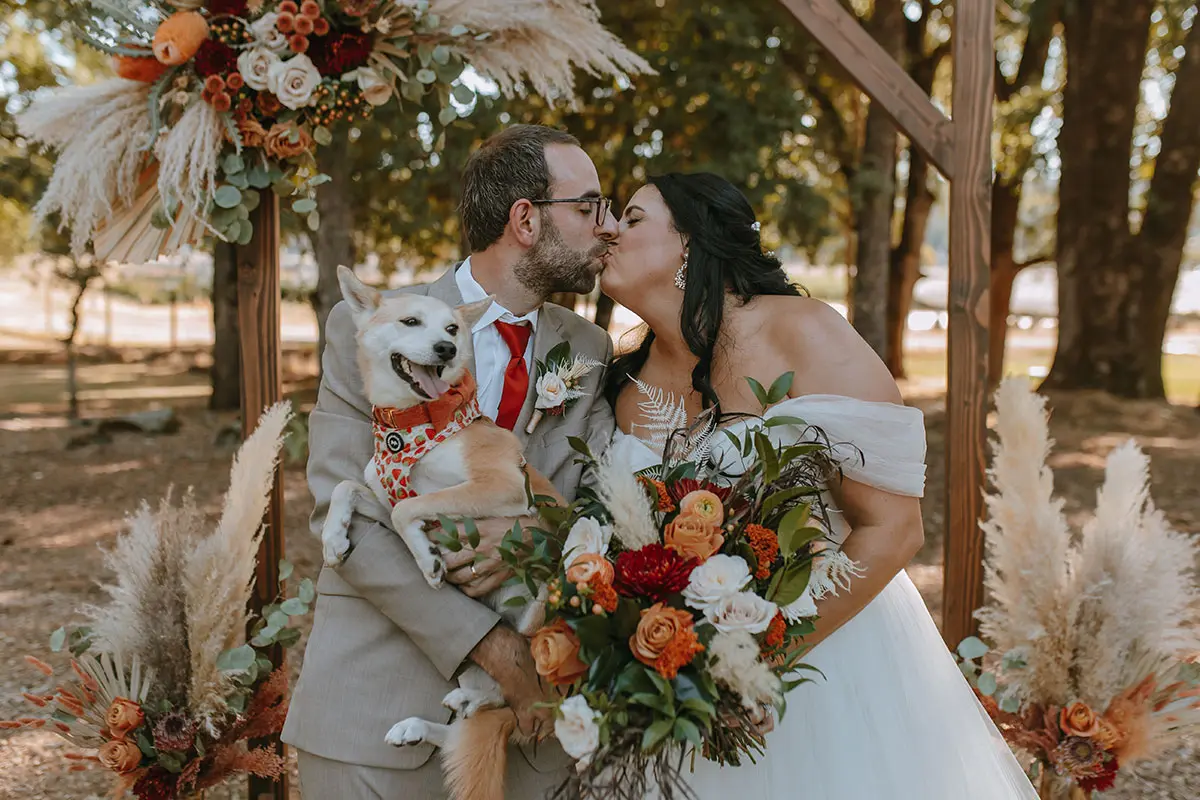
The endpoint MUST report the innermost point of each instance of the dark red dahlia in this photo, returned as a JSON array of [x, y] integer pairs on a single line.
[[654, 572], [215, 58], [156, 784], [684, 486], [1103, 780], [339, 52], [235, 7]]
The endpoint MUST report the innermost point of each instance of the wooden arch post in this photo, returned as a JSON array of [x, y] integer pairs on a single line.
[[961, 150], [259, 332]]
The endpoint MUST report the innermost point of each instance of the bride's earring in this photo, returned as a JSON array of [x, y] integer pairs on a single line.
[[681, 275]]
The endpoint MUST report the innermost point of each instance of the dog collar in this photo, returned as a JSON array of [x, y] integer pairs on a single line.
[[439, 412]]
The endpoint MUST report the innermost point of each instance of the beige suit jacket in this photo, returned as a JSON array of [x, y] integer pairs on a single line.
[[384, 645]]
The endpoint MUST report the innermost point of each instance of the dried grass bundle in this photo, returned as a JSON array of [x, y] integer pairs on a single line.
[[101, 132], [538, 43], [619, 489], [219, 572], [188, 155]]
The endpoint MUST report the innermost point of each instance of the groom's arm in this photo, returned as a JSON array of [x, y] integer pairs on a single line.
[[444, 623]]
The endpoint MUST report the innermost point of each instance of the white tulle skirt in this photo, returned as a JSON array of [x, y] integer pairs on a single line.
[[894, 719]]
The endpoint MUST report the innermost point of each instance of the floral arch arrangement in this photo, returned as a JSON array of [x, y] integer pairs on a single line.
[[216, 101]]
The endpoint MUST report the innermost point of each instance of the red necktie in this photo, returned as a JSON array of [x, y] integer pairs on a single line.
[[516, 375]]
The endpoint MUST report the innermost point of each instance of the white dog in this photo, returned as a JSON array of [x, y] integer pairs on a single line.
[[436, 454]]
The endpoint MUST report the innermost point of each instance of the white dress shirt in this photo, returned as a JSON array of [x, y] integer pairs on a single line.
[[491, 353]]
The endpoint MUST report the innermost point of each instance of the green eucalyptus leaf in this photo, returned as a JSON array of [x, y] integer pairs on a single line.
[[58, 639], [307, 591], [250, 200], [285, 569], [233, 163], [294, 607], [313, 221], [986, 684], [245, 232], [227, 197], [972, 647], [441, 54], [238, 659], [304, 205], [464, 94], [322, 135], [447, 115]]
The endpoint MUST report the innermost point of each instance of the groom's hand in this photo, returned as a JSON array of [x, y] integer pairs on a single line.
[[489, 572], [504, 654]]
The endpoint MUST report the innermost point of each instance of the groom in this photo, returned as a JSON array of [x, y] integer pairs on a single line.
[[384, 645]]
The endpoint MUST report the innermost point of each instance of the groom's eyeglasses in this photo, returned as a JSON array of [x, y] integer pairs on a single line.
[[603, 204]]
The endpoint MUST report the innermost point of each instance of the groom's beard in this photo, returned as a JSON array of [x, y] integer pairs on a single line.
[[551, 266]]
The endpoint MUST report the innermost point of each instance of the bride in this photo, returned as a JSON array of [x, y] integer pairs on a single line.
[[894, 717]]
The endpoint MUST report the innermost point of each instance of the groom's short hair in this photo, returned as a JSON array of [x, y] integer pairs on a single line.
[[509, 166]]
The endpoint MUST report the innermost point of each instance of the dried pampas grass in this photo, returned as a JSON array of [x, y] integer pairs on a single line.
[[538, 43], [625, 497], [1107, 620], [188, 159], [101, 132], [219, 573]]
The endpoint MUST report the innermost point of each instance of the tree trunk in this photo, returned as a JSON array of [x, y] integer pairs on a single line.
[[1106, 49], [905, 266], [565, 299], [1006, 199], [81, 277], [604, 311], [333, 244], [876, 180], [226, 354], [1157, 250]]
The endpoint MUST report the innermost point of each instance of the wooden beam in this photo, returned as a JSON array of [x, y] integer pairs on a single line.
[[262, 386], [878, 74], [970, 256]]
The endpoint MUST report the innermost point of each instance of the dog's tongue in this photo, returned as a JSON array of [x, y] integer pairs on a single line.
[[427, 378]]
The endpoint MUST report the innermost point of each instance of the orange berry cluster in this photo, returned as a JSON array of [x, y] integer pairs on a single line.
[[300, 22], [225, 93], [338, 101], [229, 31]]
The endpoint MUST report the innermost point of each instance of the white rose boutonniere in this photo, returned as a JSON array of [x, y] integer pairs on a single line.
[[558, 380]]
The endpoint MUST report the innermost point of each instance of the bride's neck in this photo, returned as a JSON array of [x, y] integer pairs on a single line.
[[662, 313]]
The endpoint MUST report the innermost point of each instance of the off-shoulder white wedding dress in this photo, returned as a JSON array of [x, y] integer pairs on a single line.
[[893, 719]]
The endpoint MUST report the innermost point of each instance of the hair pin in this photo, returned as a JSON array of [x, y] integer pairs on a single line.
[[756, 226]]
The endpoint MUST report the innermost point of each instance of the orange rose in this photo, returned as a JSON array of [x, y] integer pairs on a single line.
[[665, 639], [1078, 719], [555, 651], [692, 536], [120, 755], [252, 131], [590, 568], [122, 717], [705, 505], [280, 144]]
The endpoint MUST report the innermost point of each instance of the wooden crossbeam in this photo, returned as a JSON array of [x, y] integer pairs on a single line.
[[961, 150], [878, 74]]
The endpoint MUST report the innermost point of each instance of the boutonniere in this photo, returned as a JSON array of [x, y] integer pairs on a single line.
[[558, 379]]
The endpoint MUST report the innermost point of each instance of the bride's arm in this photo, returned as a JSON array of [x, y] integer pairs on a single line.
[[885, 529]]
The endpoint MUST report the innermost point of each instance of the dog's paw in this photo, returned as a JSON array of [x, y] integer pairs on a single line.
[[464, 702], [407, 732], [433, 567], [334, 549]]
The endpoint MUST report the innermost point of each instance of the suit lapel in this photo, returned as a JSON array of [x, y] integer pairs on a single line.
[[549, 334]]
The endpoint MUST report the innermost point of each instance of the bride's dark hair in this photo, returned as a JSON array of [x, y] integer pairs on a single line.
[[724, 255]]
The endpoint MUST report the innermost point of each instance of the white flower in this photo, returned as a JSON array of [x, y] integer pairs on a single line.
[[577, 730], [268, 35], [294, 80], [255, 65], [587, 535], [744, 611], [551, 391], [719, 576], [733, 660], [375, 89]]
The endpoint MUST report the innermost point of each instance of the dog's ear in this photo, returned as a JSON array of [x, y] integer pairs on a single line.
[[361, 298], [473, 312]]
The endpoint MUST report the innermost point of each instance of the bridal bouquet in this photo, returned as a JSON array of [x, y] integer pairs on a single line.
[[678, 599], [163, 689], [1096, 639], [218, 100]]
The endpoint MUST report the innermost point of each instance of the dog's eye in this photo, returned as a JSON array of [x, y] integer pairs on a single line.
[[452, 330], [411, 322]]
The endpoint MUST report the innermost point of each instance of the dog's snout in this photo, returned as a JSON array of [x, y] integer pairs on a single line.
[[445, 350]]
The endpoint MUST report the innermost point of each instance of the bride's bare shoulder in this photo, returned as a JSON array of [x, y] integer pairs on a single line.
[[823, 349]]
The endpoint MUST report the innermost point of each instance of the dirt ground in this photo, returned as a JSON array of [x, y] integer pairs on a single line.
[[59, 505]]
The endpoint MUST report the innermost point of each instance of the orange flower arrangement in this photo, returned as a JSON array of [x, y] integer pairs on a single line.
[[146, 69], [120, 755], [279, 142], [665, 640], [555, 651], [123, 716], [705, 505], [693, 536], [773, 638], [765, 545], [665, 504], [590, 569], [1078, 719]]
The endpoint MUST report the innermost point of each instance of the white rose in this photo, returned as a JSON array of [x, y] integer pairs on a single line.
[[577, 730], [374, 88], [587, 535], [551, 391], [268, 35], [294, 80], [255, 65], [719, 576], [744, 611]]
